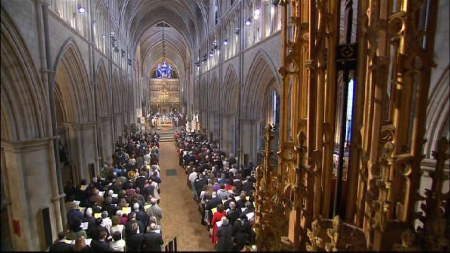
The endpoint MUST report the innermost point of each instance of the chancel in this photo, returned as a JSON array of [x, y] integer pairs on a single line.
[[225, 125], [164, 70]]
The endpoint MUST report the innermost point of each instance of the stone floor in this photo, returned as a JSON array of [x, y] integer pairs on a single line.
[[181, 216]]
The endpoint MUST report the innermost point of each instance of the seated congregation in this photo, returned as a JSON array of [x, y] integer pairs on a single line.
[[224, 191], [117, 211]]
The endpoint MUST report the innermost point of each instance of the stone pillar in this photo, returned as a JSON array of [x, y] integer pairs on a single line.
[[229, 131], [248, 137], [107, 149], [30, 178], [119, 125], [83, 146]]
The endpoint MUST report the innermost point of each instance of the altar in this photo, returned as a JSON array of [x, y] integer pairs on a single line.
[[165, 122]]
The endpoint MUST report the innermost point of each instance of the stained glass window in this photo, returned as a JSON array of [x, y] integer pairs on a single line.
[[164, 70]]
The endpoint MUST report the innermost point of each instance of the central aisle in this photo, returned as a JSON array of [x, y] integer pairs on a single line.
[[181, 217]]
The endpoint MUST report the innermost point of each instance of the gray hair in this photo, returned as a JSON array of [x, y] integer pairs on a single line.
[[225, 221]]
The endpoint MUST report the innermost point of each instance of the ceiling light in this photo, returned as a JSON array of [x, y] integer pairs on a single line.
[[257, 13], [81, 9], [248, 21], [225, 42]]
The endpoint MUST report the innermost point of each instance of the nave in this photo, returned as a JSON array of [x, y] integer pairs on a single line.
[[337, 111], [148, 193], [183, 219]]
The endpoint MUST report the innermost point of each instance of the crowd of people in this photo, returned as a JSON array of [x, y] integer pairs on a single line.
[[223, 189], [119, 210]]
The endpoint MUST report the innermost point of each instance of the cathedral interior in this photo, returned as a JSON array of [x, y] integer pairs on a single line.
[[342, 106]]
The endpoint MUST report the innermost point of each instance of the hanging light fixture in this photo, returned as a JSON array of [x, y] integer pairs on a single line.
[[257, 13], [81, 9], [225, 42], [248, 21]]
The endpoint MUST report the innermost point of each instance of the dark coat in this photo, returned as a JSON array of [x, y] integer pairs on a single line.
[[225, 238], [233, 215], [100, 246], [140, 182], [143, 218], [152, 242], [74, 215], [60, 247], [241, 233], [213, 203], [134, 242]]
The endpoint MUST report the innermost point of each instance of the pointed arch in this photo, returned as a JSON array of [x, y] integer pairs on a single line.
[[103, 94], [72, 81], [24, 104], [213, 93], [438, 111], [261, 75], [231, 88], [116, 91]]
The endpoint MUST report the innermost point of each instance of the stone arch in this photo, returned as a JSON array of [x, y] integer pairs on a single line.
[[116, 94], [438, 110], [104, 127], [213, 90], [261, 79], [231, 89], [104, 100], [24, 108], [203, 99], [230, 107], [261, 75], [72, 82]]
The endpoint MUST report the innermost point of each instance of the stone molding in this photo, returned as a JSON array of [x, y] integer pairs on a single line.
[[27, 145], [80, 126]]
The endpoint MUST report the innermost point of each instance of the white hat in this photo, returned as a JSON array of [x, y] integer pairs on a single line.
[[136, 206]]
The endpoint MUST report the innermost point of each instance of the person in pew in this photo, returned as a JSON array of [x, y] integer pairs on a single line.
[[60, 245], [155, 210], [233, 213], [74, 214], [117, 244], [100, 244], [216, 218], [241, 232], [224, 235], [117, 226], [76, 231], [133, 238], [80, 245], [141, 216], [152, 240]]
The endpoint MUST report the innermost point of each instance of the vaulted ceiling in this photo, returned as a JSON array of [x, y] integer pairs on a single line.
[[187, 21]]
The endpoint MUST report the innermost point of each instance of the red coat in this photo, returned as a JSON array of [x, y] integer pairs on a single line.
[[217, 217]]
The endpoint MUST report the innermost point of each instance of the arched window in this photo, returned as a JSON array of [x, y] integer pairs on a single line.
[[164, 70]]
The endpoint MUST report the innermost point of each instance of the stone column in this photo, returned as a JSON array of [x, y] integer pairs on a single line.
[[248, 138], [83, 148], [107, 149], [30, 176]]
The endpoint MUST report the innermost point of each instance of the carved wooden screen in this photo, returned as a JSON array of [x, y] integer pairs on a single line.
[[386, 49]]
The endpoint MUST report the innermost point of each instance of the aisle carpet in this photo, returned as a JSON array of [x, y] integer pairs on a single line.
[[181, 217]]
